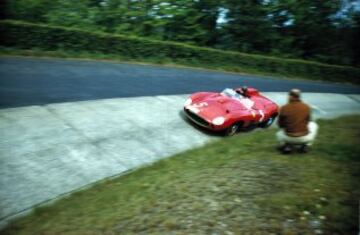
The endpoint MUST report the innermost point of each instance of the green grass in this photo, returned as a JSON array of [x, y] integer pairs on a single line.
[[237, 185]]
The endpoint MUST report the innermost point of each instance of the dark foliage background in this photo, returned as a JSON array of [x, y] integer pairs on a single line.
[[322, 30]]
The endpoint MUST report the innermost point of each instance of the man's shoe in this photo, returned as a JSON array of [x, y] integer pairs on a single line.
[[286, 149], [280, 148], [304, 148]]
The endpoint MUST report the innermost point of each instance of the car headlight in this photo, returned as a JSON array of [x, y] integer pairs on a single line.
[[218, 121], [188, 102]]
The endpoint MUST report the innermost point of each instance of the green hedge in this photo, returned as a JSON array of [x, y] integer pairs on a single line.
[[27, 35]]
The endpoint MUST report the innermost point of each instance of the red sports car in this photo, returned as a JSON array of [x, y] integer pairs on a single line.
[[231, 109]]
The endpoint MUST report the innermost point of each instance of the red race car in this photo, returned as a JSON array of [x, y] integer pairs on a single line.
[[231, 109]]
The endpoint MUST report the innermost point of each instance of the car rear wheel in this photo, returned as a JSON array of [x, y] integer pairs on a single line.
[[233, 129], [268, 122]]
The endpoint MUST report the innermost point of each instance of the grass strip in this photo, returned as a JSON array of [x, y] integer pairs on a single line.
[[237, 185]]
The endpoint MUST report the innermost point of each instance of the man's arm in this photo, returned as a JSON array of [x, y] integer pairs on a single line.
[[281, 121], [309, 115]]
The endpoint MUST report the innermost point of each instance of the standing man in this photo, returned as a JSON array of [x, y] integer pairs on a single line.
[[296, 125]]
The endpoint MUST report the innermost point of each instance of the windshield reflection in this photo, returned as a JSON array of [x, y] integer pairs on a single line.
[[231, 94]]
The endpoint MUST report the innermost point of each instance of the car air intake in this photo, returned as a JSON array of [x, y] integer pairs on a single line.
[[196, 118]]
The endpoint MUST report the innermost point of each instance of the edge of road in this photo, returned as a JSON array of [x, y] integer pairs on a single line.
[[6, 220]]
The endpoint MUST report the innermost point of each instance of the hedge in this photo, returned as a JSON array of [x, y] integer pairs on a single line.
[[24, 35]]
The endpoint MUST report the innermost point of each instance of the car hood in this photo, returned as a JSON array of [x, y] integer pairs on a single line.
[[218, 105]]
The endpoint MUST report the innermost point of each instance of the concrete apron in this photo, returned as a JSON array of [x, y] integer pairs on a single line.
[[49, 151]]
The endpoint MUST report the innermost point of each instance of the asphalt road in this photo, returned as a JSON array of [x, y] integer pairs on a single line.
[[35, 81]]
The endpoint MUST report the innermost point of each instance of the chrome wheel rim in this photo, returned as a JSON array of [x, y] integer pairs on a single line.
[[270, 121], [233, 129]]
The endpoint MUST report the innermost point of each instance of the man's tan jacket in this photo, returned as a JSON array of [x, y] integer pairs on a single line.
[[294, 118]]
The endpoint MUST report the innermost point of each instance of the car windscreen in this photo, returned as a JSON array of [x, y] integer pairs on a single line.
[[231, 93]]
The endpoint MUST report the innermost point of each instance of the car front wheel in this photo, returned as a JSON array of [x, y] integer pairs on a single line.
[[232, 129]]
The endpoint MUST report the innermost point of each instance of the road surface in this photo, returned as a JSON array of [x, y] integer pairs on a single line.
[[33, 81]]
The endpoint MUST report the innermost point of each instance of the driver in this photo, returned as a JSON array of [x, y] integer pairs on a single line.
[[243, 91]]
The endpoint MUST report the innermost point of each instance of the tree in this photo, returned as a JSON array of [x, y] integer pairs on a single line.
[[312, 26], [182, 23], [355, 39], [70, 13], [209, 13], [28, 10], [282, 23], [248, 27]]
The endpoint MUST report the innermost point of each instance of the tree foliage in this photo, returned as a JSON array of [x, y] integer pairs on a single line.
[[323, 30]]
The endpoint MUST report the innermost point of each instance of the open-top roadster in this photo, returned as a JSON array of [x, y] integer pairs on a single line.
[[230, 109]]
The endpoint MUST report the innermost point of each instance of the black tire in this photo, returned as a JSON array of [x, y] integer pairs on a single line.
[[267, 123], [233, 129]]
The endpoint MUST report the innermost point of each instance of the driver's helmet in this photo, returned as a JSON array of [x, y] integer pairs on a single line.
[[244, 89]]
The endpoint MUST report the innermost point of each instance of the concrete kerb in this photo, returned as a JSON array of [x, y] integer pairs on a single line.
[[6, 220]]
